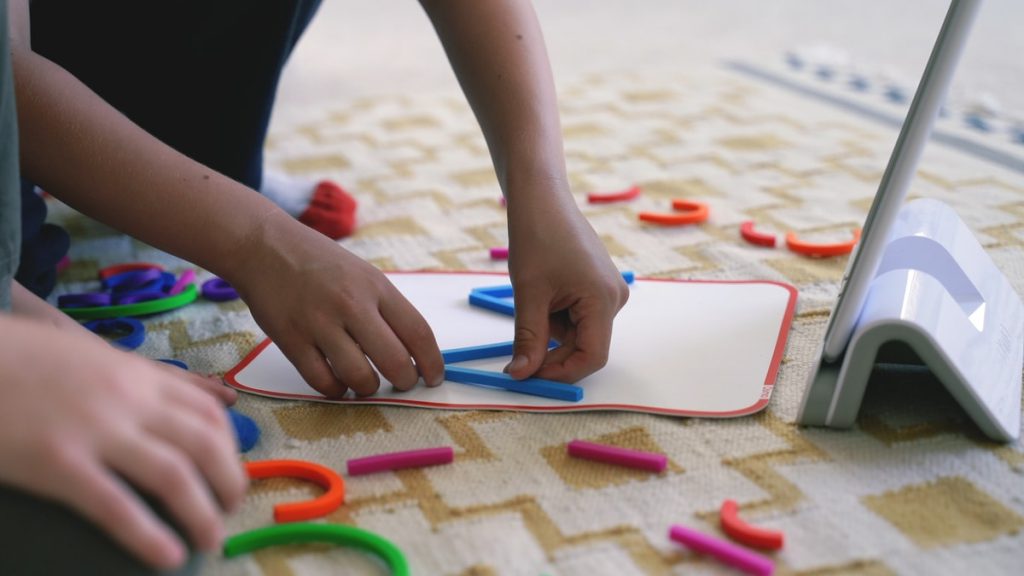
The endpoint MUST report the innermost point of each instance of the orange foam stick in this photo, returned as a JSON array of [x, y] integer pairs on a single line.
[[754, 237], [606, 197], [693, 212], [821, 250], [745, 533], [326, 478]]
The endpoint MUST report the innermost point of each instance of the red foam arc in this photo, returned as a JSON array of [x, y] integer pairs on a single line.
[[745, 533]]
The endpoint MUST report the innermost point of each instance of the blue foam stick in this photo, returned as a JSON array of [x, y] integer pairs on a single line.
[[246, 431], [503, 291], [456, 355], [531, 386]]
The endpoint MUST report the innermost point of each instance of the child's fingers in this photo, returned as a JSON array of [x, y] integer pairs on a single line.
[[379, 342], [210, 384], [589, 351], [199, 403], [163, 471], [531, 335], [349, 362], [417, 337], [312, 365], [105, 501], [215, 386], [211, 448]]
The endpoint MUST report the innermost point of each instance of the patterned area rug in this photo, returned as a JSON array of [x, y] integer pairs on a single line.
[[913, 489]]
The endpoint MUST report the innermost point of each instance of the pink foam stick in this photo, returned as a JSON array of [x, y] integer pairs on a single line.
[[187, 277], [397, 460], [499, 253], [616, 455], [727, 552]]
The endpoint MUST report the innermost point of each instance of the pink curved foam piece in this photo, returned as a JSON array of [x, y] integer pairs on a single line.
[[499, 253], [187, 277]]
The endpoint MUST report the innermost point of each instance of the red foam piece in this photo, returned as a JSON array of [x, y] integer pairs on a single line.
[[332, 211]]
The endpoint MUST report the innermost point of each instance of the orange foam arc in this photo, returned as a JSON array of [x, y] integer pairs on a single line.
[[692, 212], [821, 250], [331, 481], [754, 237], [745, 533], [606, 197]]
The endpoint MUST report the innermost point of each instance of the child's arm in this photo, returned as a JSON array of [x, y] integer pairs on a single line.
[[565, 282], [27, 305], [79, 419], [324, 307]]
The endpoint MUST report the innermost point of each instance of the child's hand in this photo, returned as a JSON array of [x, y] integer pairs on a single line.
[[566, 287], [331, 314], [79, 420], [30, 306], [212, 385]]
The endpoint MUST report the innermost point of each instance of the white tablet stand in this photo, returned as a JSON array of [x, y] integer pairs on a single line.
[[937, 300], [920, 289]]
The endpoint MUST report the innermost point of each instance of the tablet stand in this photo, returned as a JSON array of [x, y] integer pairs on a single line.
[[938, 298]]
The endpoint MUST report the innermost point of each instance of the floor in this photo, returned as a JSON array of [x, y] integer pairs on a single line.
[[388, 47]]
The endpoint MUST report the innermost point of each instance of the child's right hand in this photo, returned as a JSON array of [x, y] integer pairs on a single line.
[[332, 314], [80, 420]]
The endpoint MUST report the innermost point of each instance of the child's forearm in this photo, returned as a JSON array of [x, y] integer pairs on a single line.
[[26, 304], [82, 150], [497, 51]]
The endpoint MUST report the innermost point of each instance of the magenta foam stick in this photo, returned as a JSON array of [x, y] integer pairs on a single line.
[[187, 277], [397, 460], [499, 253], [727, 552], [616, 455]]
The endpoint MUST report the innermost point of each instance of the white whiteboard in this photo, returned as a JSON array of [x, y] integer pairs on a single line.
[[685, 348]]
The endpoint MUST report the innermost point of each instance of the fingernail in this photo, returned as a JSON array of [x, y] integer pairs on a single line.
[[519, 361], [436, 381]]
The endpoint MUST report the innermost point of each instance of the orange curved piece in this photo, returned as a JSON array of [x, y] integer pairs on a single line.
[[745, 533], [606, 197], [326, 478], [754, 237], [693, 212], [821, 250]]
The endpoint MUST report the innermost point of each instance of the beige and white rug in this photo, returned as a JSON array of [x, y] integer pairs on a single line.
[[913, 489]]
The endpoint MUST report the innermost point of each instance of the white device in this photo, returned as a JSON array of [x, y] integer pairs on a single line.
[[919, 280]]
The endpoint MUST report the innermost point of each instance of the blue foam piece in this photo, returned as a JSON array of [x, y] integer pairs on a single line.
[[503, 291], [531, 386], [456, 355], [978, 123], [497, 304], [859, 83], [173, 362], [133, 330], [246, 431], [496, 298]]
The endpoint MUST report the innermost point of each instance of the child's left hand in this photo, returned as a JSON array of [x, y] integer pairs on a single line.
[[566, 287]]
